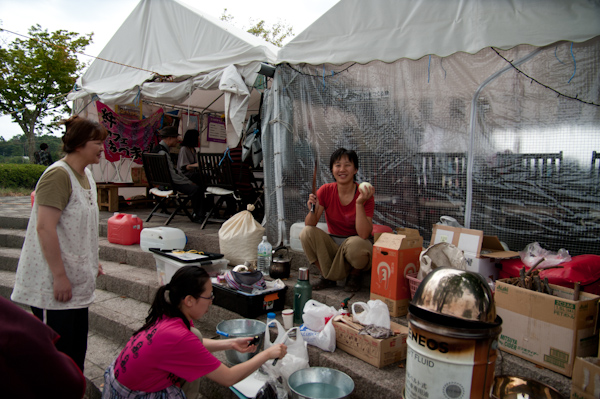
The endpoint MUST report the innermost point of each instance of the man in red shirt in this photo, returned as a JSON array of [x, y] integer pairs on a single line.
[[347, 249]]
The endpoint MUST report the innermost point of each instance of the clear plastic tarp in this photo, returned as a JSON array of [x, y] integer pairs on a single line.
[[503, 142]]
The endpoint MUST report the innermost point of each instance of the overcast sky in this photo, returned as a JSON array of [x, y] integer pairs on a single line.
[[103, 18]]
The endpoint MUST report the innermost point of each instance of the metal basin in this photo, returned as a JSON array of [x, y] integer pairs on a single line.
[[320, 383], [237, 328], [511, 387]]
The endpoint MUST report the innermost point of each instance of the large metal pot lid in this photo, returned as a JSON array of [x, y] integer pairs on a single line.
[[457, 293], [280, 258]]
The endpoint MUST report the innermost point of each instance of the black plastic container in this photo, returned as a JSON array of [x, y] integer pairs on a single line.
[[248, 305]]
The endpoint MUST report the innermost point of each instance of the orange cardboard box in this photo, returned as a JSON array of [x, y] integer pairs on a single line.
[[394, 256]]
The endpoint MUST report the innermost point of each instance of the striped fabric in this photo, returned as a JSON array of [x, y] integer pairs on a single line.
[[114, 390]]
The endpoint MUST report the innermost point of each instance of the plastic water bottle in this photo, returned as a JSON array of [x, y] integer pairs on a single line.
[[265, 250], [270, 319]]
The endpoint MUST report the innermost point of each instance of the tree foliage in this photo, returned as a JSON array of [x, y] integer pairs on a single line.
[[14, 150], [36, 75], [274, 34]]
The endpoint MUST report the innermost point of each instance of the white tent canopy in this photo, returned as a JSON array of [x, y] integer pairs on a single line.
[[165, 51], [502, 77], [388, 30]]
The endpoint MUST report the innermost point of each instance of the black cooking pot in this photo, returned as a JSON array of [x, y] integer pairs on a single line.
[[280, 265]]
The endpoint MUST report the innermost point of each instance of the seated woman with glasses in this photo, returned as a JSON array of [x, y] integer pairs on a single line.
[[168, 351]]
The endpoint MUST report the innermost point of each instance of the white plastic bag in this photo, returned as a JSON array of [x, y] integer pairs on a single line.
[[316, 315], [441, 254], [374, 312], [324, 339], [239, 238], [296, 357], [533, 253]]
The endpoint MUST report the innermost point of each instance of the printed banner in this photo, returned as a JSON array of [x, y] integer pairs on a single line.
[[216, 130], [127, 138]]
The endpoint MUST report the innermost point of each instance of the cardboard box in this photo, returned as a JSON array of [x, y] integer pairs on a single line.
[[586, 378], [138, 175], [394, 256], [378, 352], [481, 252], [549, 330]]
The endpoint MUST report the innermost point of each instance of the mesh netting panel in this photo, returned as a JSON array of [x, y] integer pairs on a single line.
[[467, 136]]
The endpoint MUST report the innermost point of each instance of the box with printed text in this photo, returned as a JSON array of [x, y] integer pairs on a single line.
[[549, 330], [394, 256]]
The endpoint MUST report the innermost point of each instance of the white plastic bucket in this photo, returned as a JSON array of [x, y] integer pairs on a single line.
[[295, 231], [165, 238]]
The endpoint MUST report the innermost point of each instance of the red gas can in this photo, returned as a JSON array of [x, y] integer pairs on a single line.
[[32, 197], [124, 229]]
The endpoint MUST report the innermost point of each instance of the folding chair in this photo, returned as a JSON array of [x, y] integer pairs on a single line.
[[595, 169], [215, 169], [441, 180], [159, 178], [246, 183]]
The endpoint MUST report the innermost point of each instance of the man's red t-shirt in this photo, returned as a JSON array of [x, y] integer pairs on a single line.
[[341, 220]]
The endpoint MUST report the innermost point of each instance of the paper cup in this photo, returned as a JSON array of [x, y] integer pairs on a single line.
[[288, 318]]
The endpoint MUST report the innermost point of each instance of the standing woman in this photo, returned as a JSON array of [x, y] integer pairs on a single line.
[[165, 353], [57, 271]]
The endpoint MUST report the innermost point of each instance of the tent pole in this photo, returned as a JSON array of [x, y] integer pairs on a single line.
[[277, 160], [470, 154]]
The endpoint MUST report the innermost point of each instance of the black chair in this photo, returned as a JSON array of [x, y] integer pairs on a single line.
[[215, 169], [441, 182], [246, 183], [162, 189], [595, 169], [531, 166]]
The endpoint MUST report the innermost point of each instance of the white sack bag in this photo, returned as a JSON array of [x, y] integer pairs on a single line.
[[239, 237]]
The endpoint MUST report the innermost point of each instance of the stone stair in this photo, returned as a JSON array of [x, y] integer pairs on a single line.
[[123, 296]]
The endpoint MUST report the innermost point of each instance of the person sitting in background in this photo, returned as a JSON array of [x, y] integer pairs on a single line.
[[187, 160], [164, 353], [169, 138], [43, 156], [347, 249]]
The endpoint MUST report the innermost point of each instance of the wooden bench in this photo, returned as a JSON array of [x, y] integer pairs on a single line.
[[108, 194]]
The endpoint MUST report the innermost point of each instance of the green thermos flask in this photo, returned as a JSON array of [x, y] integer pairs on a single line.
[[302, 293]]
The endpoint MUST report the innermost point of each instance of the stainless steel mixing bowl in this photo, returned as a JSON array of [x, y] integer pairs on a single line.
[[511, 387], [457, 293]]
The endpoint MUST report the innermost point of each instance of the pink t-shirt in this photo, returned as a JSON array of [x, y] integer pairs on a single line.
[[341, 220], [156, 358]]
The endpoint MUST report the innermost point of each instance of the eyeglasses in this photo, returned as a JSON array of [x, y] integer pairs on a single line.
[[210, 298]]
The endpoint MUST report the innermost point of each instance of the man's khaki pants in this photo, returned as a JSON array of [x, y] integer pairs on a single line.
[[336, 261]]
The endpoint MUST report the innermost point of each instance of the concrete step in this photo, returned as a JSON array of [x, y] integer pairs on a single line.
[[124, 294], [11, 238], [9, 258]]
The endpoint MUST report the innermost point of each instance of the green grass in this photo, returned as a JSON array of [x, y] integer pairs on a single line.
[[14, 192]]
